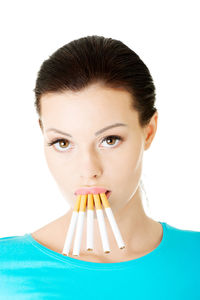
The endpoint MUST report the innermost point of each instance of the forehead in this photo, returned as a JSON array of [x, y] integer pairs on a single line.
[[94, 103], [95, 96]]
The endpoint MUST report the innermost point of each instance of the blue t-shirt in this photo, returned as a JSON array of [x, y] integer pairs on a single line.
[[29, 270]]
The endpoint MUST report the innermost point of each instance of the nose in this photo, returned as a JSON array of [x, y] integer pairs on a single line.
[[89, 165]]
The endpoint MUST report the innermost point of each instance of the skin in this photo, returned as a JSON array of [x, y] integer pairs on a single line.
[[87, 160]]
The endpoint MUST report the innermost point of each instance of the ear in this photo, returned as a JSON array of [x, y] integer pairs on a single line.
[[150, 130]]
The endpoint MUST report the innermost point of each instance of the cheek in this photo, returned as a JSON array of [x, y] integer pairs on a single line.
[[62, 172], [50, 159], [136, 155], [130, 161], [55, 164]]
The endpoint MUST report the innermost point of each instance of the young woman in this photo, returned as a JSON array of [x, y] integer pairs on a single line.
[[95, 101]]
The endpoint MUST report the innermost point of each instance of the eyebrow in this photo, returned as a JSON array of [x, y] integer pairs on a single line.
[[96, 133]]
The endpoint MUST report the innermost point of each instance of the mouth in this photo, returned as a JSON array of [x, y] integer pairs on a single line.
[[93, 191]]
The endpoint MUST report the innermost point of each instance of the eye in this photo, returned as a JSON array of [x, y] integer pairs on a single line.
[[62, 142], [111, 138]]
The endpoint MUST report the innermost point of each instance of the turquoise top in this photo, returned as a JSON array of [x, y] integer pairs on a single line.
[[30, 271]]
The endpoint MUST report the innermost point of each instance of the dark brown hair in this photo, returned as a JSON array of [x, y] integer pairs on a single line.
[[94, 59]]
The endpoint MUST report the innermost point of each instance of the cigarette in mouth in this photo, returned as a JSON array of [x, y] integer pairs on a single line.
[[79, 229], [72, 226], [77, 220], [90, 220], [112, 221], [101, 222]]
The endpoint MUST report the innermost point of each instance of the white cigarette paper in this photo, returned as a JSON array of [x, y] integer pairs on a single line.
[[90, 222], [112, 221], [72, 225], [79, 229], [102, 226]]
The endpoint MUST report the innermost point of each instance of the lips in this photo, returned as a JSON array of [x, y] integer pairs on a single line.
[[92, 190]]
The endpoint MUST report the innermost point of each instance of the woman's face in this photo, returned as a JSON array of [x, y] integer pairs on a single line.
[[90, 156]]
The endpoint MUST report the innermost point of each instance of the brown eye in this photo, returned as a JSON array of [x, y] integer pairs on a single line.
[[62, 143], [110, 139]]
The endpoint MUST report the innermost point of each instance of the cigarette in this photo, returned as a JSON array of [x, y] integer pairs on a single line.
[[79, 229], [90, 219], [112, 221], [101, 222], [72, 225]]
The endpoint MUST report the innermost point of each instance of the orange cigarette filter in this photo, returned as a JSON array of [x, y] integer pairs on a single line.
[[90, 202], [77, 204]]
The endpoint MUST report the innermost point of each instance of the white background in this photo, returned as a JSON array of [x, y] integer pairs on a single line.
[[165, 34]]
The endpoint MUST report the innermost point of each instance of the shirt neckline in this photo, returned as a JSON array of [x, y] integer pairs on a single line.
[[94, 265]]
